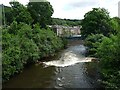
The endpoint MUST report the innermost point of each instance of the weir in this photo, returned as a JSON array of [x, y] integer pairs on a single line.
[[66, 71]]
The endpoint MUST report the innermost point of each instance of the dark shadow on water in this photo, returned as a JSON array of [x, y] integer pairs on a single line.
[[79, 75], [92, 70]]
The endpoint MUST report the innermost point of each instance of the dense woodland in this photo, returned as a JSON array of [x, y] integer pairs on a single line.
[[26, 39], [53, 21], [102, 37]]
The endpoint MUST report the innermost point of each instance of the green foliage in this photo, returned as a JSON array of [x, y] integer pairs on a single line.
[[17, 12], [115, 24], [66, 22], [28, 46], [109, 54], [20, 13], [92, 42], [11, 61], [22, 45], [96, 21], [41, 12], [13, 29], [102, 35], [35, 12], [46, 41]]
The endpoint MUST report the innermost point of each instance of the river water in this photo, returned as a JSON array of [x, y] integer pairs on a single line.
[[67, 70]]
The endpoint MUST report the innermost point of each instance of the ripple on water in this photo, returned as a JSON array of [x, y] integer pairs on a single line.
[[71, 56]]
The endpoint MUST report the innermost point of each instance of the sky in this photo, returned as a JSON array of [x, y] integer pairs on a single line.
[[76, 9]]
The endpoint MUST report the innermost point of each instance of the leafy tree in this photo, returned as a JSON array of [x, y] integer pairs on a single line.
[[92, 42], [18, 49], [13, 29], [96, 22], [102, 35], [20, 13], [41, 12], [11, 62], [46, 40], [23, 45], [109, 54], [115, 24]]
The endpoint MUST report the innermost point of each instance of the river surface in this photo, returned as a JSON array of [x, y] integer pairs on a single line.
[[67, 70]]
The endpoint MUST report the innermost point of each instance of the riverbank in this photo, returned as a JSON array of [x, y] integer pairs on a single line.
[[24, 45], [68, 70]]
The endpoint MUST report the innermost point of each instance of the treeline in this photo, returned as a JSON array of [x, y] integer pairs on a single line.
[[66, 22], [53, 21], [102, 37], [26, 37], [32, 13]]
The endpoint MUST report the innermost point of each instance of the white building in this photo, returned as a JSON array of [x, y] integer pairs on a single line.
[[66, 30]]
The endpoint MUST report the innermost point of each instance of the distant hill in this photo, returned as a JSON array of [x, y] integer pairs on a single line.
[[66, 22], [55, 21]]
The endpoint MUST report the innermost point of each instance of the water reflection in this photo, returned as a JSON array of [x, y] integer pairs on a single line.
[[33, 77], [66, 72]]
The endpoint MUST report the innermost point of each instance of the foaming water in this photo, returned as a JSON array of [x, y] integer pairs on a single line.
[[69, 57], [69, 71]]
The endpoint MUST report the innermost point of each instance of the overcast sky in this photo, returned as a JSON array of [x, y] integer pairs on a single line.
[[76, 9]]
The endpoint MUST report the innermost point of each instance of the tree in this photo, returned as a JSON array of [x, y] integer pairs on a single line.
[[103, 41], [96, 22], [109, 54], [20, 13], [115, 24], [22, 44], [41, 12], [92, 42]]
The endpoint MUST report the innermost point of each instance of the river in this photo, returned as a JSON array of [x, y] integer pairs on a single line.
[[67, 70]]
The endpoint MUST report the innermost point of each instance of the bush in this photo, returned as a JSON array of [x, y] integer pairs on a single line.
[[22, 45], [46, 41], [107, 47], [12, 62], [109, 54], [92, 42]]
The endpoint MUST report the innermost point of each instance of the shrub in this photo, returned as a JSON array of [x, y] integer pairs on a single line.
[[109, 54], [92, 42], [46, 40], [12, 62], [22, 45]]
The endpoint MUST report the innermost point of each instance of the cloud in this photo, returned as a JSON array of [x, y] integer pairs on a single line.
[[76, 9], [81, 4]]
